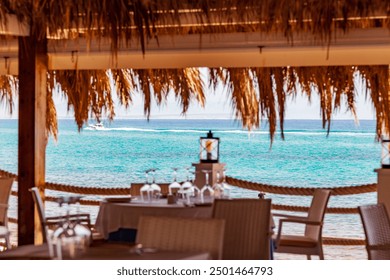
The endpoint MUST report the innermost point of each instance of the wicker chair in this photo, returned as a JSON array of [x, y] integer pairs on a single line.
[[5, 192], [247, 228], [182, 234], [310, 243], [376, 224], [50, 222]]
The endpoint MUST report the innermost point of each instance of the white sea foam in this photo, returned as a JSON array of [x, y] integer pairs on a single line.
[[234, 131], [334, 133]]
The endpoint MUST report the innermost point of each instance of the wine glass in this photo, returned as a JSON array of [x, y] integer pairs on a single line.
[[71, 237], [174, 184], [195, 191], [226, 188], [155, 189], [146, 188], [206, 187], [186, 187], [218, 187]]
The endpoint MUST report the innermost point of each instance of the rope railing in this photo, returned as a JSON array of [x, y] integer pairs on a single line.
[[329, 210], [298, 190], [338, 241], [4, 173], [345, 190], [284, 190], [88, 202], [87, 190]]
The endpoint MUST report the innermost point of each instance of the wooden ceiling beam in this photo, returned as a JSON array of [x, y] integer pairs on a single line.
[[309, 56], [357, 47], [14, 27]]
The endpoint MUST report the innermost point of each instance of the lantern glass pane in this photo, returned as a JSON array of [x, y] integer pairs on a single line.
[[386, 153], [208, 149]]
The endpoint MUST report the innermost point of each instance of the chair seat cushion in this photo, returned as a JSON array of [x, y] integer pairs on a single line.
[[295, 240]]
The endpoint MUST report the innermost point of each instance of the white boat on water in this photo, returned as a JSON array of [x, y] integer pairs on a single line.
[[97, 126]]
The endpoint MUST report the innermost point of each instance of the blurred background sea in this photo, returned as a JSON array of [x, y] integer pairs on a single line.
[[119, 154]]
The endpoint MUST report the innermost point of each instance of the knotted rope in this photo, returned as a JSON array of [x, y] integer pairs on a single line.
[[347, 190], [87, 190], [298, 190]]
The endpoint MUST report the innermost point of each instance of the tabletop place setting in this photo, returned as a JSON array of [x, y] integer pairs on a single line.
[[186, 192]]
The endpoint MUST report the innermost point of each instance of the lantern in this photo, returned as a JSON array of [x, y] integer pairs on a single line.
[[209, 149], [385, 152]]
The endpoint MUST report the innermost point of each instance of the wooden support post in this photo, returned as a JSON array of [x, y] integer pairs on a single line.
[[32, 132]]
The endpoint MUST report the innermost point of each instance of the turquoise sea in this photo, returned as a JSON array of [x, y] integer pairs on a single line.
[[120, 153], [124, 149]]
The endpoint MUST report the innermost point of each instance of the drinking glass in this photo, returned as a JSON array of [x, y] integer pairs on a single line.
[[195, 191], [186, 187], [70, 237], [218, 187], [156, 189], [174, 185], [146, 188], [206, 187], [226, 188]]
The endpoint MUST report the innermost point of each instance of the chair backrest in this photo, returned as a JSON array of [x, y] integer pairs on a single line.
[[182, 234], [5, 192], [317, 212], [247, 227], [41, 212], [376, 226]]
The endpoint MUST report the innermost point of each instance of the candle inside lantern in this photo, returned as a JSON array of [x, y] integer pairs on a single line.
[[209, 149]]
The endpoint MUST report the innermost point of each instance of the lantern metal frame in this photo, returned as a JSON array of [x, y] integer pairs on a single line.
[[385, 158], [209, 148]]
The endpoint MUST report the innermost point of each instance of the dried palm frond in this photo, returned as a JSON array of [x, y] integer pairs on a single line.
[[124, 20], [284, 86], [9, 87], [331, 83], [51, 112], [87, 92], [217, 76], [90, 92], [144, 82], [186, 84], [4, 10], [244, 97], [270, 86], [378, 88], [124, 85], [266, 86], [255, 93]]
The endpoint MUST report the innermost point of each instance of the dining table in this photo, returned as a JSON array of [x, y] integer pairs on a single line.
[[104, 251], [114, 217]]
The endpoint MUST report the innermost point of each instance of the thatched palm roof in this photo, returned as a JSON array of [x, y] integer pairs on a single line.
[[145, 19], [256, 93]]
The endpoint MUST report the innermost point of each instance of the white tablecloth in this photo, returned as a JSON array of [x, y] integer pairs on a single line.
[[113, 216]]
